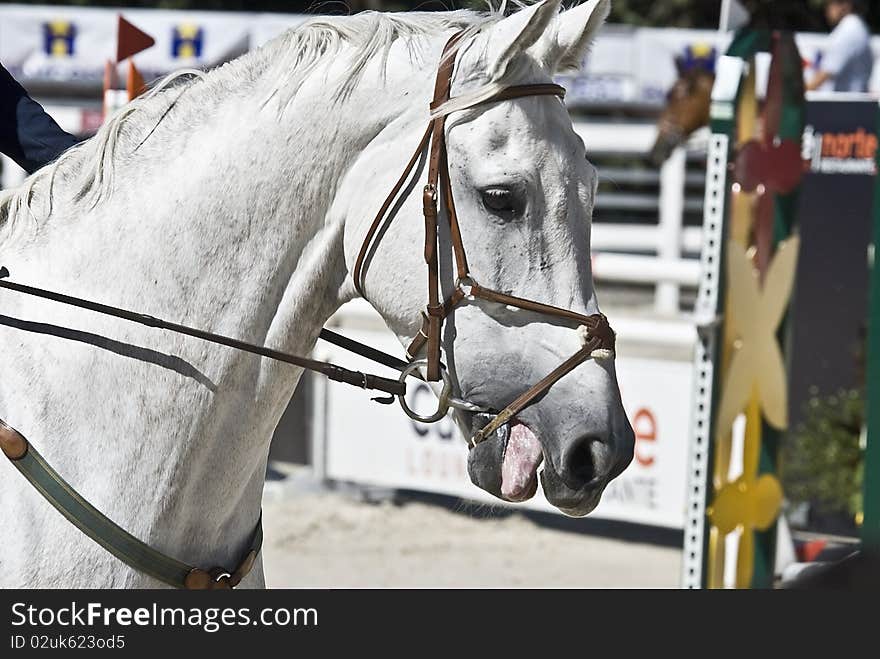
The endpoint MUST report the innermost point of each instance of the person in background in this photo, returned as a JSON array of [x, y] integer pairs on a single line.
[[847, 61], [27, 134]]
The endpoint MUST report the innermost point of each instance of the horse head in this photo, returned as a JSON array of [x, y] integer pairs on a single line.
[[523, 194], [687, 103]]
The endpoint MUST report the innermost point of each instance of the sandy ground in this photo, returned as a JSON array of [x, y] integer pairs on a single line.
[[319, 538]]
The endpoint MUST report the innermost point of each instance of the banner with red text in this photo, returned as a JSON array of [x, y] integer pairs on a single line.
[[378, 445]]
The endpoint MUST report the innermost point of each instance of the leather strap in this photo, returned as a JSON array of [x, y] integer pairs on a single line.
[[359, 348], [358, 272], [110, 535], [434, 312], [591, 322], [332, 371], [598, 338], [514, 91]]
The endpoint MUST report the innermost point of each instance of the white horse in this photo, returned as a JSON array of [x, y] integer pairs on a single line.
[[236, 202]]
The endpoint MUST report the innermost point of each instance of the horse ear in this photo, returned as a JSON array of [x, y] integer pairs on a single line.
[[514, 34], [577, 27]]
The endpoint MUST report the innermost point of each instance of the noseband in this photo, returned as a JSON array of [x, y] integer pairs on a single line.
[[598, 335]]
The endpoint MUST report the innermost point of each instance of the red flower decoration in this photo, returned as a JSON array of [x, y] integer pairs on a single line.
[[770, 166], [778, 167]]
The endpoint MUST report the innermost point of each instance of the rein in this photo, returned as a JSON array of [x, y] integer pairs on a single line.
[[331, 371]]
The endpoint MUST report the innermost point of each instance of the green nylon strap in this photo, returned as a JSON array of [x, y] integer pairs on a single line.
[[104, 531]]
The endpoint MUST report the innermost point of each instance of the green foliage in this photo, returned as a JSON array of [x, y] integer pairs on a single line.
[[822, 460], [803, 15], [670, 13]]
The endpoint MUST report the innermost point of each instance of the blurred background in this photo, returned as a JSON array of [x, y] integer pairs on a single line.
[[359, 495], [650, 13]]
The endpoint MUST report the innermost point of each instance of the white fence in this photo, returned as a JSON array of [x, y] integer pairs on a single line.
[[617, 247]]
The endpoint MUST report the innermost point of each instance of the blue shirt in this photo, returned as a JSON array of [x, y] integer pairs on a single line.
[[27, 134], [848, 57]]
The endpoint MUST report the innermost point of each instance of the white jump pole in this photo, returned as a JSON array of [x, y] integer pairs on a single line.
[[610, 237], [646, 270], [672, 178]]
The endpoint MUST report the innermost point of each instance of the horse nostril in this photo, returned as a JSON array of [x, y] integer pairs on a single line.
[[578, 466]]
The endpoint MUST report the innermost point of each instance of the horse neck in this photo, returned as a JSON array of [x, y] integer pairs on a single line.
[[224, 227]]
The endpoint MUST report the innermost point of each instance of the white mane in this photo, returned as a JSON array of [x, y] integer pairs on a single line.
[[87, 170]]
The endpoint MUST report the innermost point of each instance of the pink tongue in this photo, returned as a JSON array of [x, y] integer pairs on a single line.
[[519, 467]]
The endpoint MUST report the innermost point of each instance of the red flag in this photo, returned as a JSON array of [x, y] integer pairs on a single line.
[[130, 40]]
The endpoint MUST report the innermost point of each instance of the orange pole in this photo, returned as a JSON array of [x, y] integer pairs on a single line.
[[135, 84]]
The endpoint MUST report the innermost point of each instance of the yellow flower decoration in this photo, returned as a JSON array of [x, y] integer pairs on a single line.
[[746, 502], [756, 362], [751, 505]]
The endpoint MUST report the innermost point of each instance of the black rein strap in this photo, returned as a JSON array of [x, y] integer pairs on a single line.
[[332, 371]]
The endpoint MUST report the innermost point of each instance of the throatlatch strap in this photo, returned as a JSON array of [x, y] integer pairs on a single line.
[[358, 273]]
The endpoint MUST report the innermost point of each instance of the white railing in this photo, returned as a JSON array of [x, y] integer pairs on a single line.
[[671, 221], [609, 237], [633, 269], [668, 239]]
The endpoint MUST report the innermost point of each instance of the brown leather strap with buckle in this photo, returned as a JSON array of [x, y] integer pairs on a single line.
[[219, 579], [439, 185]]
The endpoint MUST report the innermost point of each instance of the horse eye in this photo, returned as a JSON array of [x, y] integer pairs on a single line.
[[500, 200]]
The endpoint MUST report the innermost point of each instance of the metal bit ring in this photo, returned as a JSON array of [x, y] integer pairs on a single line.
[[445, 399]]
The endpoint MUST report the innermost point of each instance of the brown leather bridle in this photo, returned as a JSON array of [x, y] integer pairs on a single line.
[[598, 333]]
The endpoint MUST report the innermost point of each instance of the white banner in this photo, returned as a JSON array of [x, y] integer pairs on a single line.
[[368, 443], [71, 44], [628, 65]]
